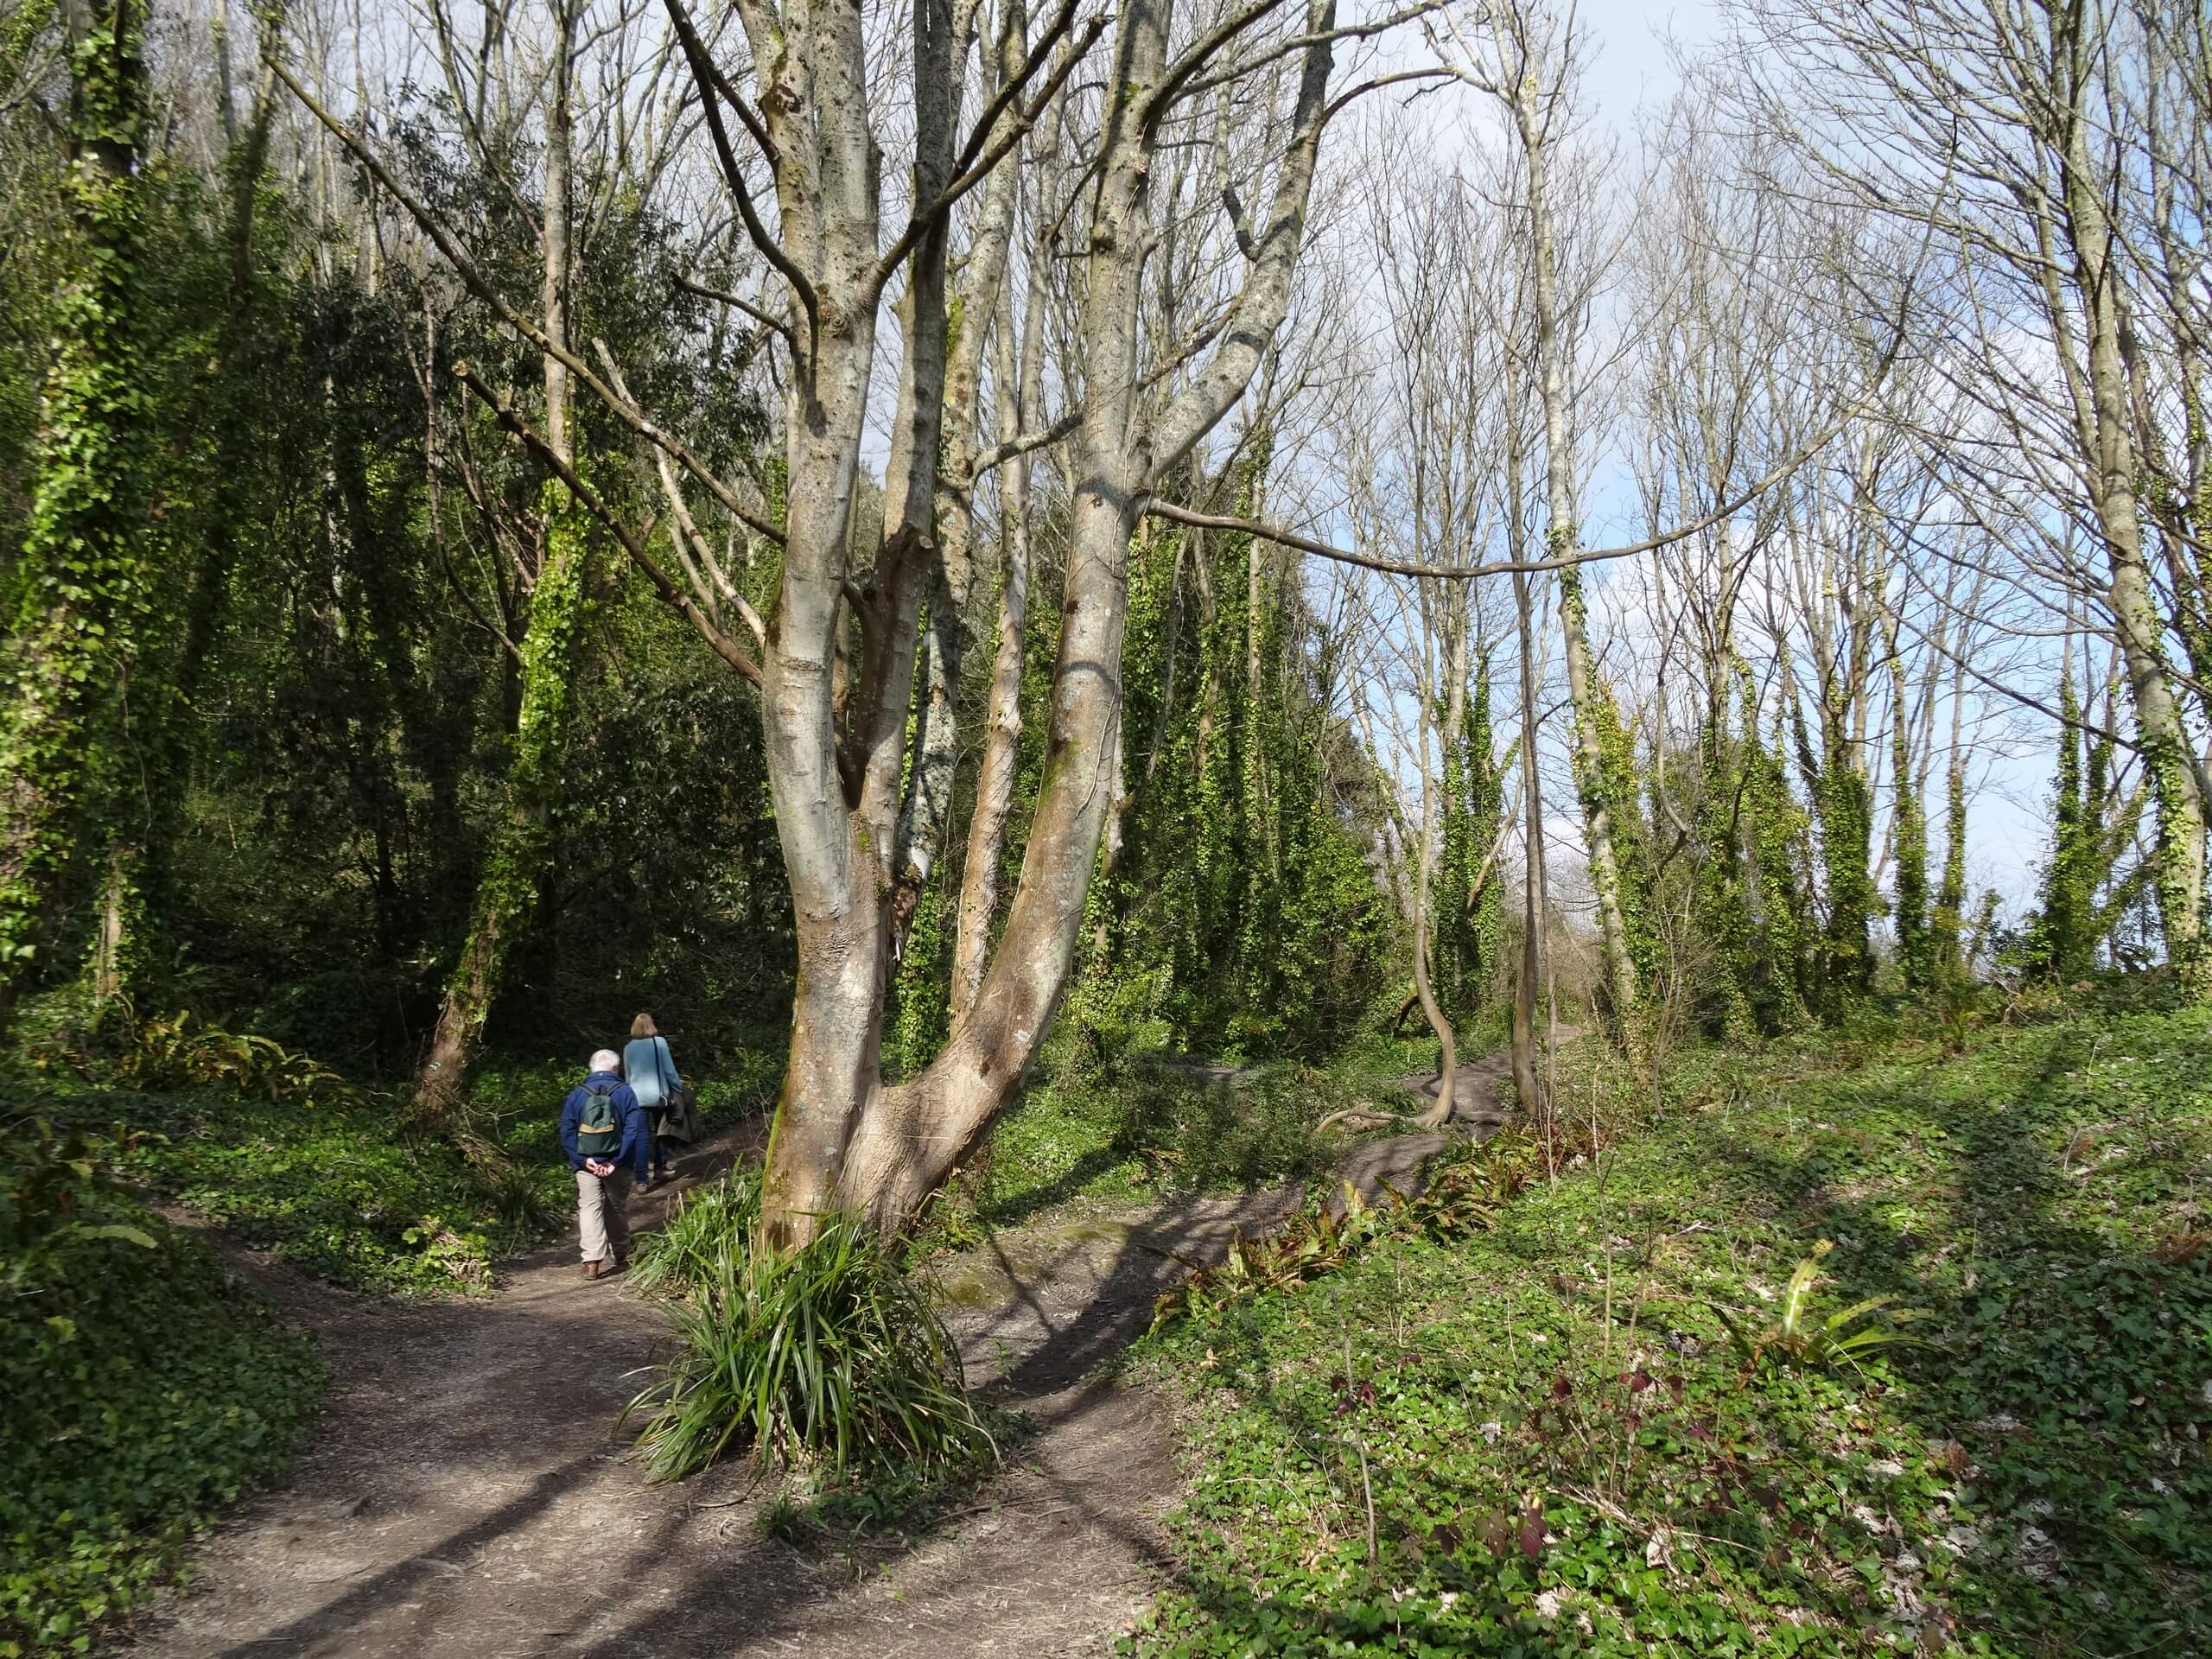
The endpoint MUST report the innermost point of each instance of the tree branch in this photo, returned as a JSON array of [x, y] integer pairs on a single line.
[[767, 319], [724, 646], [479, 285], [1182, 515], [712, 87], [972, 169]]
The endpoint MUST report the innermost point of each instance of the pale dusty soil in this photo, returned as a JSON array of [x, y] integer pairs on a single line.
[[467, 1493]]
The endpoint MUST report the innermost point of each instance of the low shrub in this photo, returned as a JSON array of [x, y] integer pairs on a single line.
[[145, 1389], [711, 1227], [1458, 1198], [116, 1047], [828, 1354]]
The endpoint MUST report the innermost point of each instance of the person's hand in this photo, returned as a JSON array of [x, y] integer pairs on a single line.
[[599, 1167]]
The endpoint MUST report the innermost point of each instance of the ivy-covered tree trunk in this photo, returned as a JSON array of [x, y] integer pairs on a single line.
[[1779, 867], [145, 814], [1726, 805], [83, 564], [1469, 900], [1528, 1079], [1601, 806], [1908, 834], [1843, 808], [2177, 788], [508, 891], [1951, 892], [1425, 862], [1605, 782]]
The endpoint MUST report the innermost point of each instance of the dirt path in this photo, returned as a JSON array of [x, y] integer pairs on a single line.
[[466, 1495]]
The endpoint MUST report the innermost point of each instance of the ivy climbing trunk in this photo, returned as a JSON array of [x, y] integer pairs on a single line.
[[1594, 769], [507, 891], [146, 811], [2178, 791], [83, 569], [1454, 715], [1909, 830], [1951, 892], [1528, 1081]]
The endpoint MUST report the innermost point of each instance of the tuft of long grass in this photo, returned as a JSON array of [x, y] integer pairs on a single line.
[[826, 1354], [711, 1225]]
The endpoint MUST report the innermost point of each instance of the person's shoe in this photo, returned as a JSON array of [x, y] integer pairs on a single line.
[[645, 1187], [592, 1269]]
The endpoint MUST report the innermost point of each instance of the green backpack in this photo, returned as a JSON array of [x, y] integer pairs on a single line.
[[598, 1131]]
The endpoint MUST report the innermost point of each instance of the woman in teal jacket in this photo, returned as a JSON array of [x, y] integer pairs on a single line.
[[649, 1070]]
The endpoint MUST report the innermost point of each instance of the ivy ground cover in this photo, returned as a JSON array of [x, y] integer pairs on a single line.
[[1546, 1440]]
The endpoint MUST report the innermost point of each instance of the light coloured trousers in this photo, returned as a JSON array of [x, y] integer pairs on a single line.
[[601, 1203]]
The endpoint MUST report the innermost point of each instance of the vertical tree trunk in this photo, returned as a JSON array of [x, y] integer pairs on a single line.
[[907, 1140], [1455, 713], [1527, 1082], [1909, 833], [82, 573], [508, 891], [1951, 895], [836, 794], [1593, 773], [1018, 393], [139, 882], [2176, 785], [936, 745]]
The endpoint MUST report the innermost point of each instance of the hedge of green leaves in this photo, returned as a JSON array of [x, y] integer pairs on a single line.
[[145, 1389]]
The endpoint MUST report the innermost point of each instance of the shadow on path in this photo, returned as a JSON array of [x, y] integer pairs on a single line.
[[469, 1495]]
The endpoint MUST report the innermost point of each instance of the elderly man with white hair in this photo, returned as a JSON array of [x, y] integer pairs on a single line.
[[609, 1138]]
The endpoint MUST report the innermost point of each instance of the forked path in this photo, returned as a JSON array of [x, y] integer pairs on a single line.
[[468, 1494]]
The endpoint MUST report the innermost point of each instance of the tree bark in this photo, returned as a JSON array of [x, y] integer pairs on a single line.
[[1021, 390], [82, 573], [509, 890], [1455, 712], [936, 747], [834, 823], [913, 1135], [1593, 770], [1527, 1080], [2164, 738]]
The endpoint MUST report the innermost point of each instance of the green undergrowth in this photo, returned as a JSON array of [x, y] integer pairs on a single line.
[[825, 1358], [1086, 1137], [1543, 1438], [340, 1188], [146, 1388]]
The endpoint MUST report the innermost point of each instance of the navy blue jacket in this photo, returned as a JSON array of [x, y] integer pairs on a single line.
[[637, 1129]]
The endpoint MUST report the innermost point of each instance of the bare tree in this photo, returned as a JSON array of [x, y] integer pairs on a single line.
[[840, 244], [2000, 129]]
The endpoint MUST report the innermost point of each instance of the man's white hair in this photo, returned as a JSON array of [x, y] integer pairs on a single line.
[[606, 1059]]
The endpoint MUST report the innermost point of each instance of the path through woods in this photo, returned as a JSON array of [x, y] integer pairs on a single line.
[[467, 1494]]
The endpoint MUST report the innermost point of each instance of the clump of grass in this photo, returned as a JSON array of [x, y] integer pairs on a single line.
[[703, 1241], [1799, 1336], [825, 1355]]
